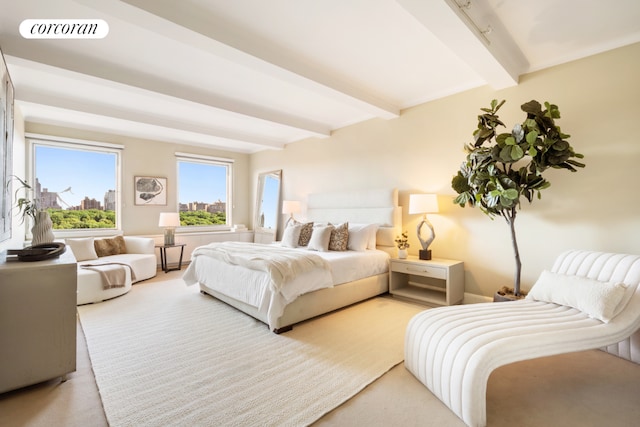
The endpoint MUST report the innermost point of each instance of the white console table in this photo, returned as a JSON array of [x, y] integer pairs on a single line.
[[37, 320]]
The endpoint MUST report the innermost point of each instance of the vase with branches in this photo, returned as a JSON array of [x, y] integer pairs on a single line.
[[502, 168], [28, 206]]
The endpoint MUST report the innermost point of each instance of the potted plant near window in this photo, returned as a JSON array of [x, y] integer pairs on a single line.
[[502, 168]]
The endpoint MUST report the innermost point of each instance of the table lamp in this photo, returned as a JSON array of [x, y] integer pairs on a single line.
[[424, 204], [169, 220], [290, 207]]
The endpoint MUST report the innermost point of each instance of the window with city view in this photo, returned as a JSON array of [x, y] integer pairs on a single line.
[[203, 192], [76, 185]]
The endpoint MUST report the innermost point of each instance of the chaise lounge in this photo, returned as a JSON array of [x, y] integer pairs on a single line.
[[589, 300]]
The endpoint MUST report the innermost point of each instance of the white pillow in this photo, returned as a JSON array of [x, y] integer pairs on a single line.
[[594, 298], [83, 249], [291, 236], [320, 238], [360, 236], [385, 236]]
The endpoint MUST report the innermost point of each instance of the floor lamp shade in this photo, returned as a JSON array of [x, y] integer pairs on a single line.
[[169, 221]]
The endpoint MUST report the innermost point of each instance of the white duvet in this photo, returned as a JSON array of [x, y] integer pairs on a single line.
[[255, 284]]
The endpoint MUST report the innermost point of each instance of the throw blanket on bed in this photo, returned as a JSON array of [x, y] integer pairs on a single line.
[[282, 264], [113, 273]]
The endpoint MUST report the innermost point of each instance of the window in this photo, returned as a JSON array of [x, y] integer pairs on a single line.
[[204, 196], [77, 182]]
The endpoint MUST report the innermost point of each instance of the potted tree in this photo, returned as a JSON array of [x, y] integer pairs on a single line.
[[500, 168]]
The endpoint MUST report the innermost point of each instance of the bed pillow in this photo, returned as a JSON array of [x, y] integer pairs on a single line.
[[320, 238], [106, 247], [360, 236], [385, 236], [305, 233], [339, 239], [595, 298], [291, 235], [83, 249]]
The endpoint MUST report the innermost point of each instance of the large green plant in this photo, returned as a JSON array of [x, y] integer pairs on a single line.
[[502, 168]]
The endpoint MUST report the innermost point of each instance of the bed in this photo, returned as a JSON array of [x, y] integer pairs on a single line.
[[324, 281]]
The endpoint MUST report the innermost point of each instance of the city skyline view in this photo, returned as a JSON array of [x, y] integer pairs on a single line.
[[92, 174]]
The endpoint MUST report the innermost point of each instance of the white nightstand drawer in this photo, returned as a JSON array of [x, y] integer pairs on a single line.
[[422, 270]]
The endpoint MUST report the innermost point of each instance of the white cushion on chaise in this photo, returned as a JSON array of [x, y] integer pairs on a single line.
[[453, 350]]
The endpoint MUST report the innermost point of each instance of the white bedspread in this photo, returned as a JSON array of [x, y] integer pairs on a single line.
[[282, 264], [252, 283]]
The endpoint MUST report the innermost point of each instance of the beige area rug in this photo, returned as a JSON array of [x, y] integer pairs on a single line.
[[167, 355]]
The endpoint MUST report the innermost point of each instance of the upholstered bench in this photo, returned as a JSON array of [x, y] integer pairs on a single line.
[[588, 300], [135, 256]]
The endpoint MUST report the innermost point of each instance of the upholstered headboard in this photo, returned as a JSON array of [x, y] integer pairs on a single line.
[[365, 206]]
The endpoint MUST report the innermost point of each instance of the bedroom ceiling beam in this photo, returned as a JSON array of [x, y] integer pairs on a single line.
[[30, 97], [475, 34], [223, 40], [146, 86]]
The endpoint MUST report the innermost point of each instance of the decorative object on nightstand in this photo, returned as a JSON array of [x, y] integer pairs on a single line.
[[424, 204], [403, 244], [290, 207], [169, 220]]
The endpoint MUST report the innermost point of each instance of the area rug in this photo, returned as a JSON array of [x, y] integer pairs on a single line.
[[165, 354]]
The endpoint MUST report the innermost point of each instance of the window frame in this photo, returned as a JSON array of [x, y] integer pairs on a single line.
[[34, 140], [214, 161]]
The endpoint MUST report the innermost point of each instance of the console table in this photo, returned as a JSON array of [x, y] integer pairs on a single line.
[[37, 320]]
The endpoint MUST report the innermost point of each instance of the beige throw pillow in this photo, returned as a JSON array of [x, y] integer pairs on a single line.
[[339, 240], [106, 247]]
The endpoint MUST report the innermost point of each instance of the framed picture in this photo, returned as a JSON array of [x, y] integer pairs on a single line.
[[150, 190]]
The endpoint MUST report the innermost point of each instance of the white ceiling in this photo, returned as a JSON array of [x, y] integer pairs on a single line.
[[249, 75]]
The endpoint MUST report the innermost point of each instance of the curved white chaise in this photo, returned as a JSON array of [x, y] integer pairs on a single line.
[[453, 350]]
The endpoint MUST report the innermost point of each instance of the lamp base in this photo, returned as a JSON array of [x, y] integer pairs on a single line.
[[424, 254], [169, 237]]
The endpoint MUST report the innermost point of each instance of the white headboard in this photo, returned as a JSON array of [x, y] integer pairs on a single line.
[[364, 206]]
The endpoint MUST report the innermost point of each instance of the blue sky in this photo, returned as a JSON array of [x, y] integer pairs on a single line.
[[270, 201], [92, 174], [198, 179], [88, 173]]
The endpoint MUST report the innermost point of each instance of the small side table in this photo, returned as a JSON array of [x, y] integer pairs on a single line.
[[163, 256], [434, 282]]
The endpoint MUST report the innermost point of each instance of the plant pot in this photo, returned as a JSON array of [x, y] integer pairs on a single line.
[[42, 230], [506, 294], [402, 253]]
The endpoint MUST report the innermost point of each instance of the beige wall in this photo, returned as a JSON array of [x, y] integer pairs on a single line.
[[595, 208]]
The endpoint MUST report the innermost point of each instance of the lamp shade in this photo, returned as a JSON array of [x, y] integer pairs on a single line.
[[290, 207], [423, 203], [169, 219]]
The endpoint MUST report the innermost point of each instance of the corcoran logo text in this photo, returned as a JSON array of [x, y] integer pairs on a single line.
[[64, 29]]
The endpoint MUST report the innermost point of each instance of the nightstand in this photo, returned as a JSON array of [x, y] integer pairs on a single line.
[[434, 282]]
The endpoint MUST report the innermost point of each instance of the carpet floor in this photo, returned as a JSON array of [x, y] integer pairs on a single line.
[[178, 357]]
